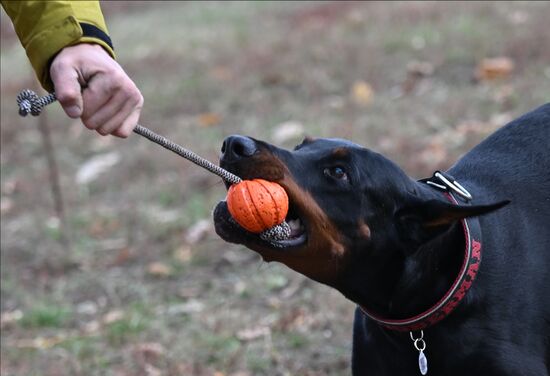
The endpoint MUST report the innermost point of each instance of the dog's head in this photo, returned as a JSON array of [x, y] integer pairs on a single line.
[[348, 206]]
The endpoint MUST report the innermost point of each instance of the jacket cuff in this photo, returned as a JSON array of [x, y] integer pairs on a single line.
[[43, 47]]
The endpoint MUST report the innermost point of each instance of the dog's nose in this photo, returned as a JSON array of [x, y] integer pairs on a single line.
[[237, 147]]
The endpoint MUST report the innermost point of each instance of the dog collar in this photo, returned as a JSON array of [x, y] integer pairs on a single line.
[[457, 291]]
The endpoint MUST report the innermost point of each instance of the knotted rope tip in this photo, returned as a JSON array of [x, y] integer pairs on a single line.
[[30, 103], [24, 108]]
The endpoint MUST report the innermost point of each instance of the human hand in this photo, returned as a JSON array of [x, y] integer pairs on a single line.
[[110, 102]]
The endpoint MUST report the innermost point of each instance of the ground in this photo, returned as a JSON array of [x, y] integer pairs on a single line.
[[133, 280]]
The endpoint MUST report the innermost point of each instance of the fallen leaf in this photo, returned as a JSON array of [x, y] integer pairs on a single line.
[[191, 306], [287, 131], [273, 78], [112, 316], [188, 292], [91, 327], [149, 352], [362, 93], [151, 370], [87, 308], [198, 231], [40, 342], [95, 166], [494, 68], [222, 73], [159, 269], [250, 334], [10, 317], [420, 68], [123, 255], [297, 319], [183, 254], [209, 119]]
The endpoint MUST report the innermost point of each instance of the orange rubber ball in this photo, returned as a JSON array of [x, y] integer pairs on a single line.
[[258, 204]]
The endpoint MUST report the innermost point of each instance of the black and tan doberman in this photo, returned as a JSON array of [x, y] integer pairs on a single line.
[[451, 275]]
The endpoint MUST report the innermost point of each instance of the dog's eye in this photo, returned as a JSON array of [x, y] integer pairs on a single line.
[[336, 172]]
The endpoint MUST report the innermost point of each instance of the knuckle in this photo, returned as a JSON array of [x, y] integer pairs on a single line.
[[102, 131], [124, 132], [67, 95], [140, 100], [90, 124], [137, 98], [59, 65], [117, 79]]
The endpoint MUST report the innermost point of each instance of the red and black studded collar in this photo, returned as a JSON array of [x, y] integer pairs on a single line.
[[462, 283]]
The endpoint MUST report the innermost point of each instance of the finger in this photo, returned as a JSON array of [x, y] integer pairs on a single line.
[[99, 91], [67, 88], [103, 116], [128, 125], [113, 114], [127, 118]]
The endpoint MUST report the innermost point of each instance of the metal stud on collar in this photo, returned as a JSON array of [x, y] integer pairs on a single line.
[[30, 103]]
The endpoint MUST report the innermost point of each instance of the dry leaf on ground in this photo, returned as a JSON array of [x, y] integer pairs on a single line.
[[362, 93], [95, 166], [494, 68], [159, 269], [209, 119]]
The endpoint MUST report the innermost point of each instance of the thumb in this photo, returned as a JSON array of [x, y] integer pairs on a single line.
[[67, 90]]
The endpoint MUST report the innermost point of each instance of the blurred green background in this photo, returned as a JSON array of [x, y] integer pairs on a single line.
[[132, 279]]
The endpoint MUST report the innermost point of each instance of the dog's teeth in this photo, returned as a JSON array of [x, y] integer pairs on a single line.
[[295, 224]]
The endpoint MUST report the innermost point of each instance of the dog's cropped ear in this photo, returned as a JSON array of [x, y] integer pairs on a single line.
[[423, 220]]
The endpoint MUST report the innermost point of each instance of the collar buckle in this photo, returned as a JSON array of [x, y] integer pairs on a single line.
[[446, 182]]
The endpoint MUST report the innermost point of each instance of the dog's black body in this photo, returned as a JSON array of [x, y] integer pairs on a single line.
[[395, 246]]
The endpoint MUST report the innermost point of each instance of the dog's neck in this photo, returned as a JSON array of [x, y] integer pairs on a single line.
[[427, 274], [401, 285]]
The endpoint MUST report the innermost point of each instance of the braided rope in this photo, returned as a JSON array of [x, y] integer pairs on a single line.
[[30, 103], [187, 154]]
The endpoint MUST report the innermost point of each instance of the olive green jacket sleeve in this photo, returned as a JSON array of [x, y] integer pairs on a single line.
[[46, 27]]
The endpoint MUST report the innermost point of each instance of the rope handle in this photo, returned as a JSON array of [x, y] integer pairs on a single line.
[[30, 103]]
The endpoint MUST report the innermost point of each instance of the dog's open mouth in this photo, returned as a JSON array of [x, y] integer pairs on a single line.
[[229, 230]]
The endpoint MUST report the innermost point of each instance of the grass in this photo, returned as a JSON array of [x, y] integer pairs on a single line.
[[123, 330], [46, 316], [253, 65]]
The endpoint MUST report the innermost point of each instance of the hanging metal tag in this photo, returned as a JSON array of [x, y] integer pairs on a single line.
[[420, 346]]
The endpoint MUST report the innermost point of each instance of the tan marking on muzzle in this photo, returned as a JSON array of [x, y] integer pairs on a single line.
[[324, 254]]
